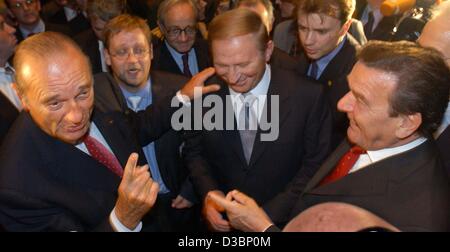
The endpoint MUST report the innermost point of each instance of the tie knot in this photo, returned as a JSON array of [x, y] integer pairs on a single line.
[[357, 150], [185, 57], [135, 101], [248, 98]]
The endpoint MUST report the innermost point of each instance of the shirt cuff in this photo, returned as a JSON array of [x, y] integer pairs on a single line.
[[119, 227], [183, 99]]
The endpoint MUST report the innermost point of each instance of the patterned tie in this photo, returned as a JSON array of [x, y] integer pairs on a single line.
[[345, 165], [103, 155], [369, 26], [314, 70], [186, 70], [248, 124]]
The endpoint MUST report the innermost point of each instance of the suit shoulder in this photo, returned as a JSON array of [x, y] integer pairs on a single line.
[[168, 80], [295, 82]]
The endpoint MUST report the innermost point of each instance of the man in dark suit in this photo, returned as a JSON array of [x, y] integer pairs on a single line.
[[282, 128], [9, 101], [27, 15], [390, 164], [62, 171], [181, 51], [66, 13], [376, 26], [434, 36], [126, 90], [329, 51], [92, 41], [264, 9]]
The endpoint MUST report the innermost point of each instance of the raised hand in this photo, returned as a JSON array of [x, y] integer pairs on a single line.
[[137, 193], [197, 81]]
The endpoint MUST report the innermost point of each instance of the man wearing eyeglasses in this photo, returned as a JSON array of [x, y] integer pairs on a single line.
[[131, 86], [181, 51], [26, 13]]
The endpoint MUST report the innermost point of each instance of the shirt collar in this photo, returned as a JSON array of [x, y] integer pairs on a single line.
[[323, 62], [175, 53], [40, 27], [378, 155], [143, 92]]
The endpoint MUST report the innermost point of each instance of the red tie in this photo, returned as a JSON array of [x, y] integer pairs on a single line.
[[345, 164], [103, 155]]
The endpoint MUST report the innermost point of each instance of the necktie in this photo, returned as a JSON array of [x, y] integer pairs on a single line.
[[186, 70], [369, 26], [248, 124], [103, 155], [314, 70], [345, 164], [135, 101]]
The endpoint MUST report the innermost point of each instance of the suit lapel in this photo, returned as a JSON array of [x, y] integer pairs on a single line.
[[167, 62], [71, 164], [275, 88], [232, 136], [114, 136], [327, 166]]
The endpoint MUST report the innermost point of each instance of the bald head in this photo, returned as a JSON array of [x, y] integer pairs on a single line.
[[436, 33], [42, 51], [335, 217]]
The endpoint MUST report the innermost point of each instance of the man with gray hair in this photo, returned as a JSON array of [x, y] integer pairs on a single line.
[[61, 164], [436, 34], [181, 51]]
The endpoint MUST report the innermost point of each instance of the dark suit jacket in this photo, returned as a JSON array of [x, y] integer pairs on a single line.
[[162, 59], [76, 25], [167, 148], [48, 27], [8, 113], [409, 190], [89, 44], [48, 185], [334, 78], [281, 167], [383, 31], [281, 59], [443, 143]]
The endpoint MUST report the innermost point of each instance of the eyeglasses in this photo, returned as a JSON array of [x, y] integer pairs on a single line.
[[123, 54], [22, 5], [175, 32]]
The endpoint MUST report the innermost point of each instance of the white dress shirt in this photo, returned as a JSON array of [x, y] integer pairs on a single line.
[[260, 91], [378, 155]]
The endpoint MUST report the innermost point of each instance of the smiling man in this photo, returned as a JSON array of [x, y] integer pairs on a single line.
[[271, 171], [61, 165], [390, 164], [181, 51], [133, 86]]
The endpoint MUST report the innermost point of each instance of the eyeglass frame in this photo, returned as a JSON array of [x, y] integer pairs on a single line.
[[170, 32], [125, 55], [20, 6]]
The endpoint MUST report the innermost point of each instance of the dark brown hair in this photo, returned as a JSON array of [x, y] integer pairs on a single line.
[[423, 79]]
